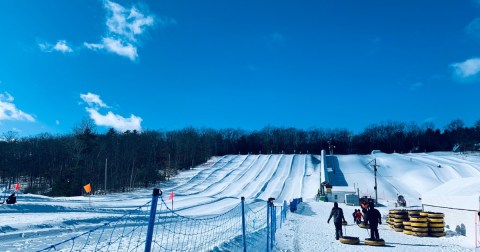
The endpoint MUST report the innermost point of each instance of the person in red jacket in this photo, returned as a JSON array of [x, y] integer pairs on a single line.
[[358, 216]]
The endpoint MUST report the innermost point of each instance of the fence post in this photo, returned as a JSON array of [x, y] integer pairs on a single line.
[[151, 222], [270, 204], [243, 225], [268, 225]]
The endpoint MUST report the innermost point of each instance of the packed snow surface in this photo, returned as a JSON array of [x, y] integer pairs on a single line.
[[217, 185]]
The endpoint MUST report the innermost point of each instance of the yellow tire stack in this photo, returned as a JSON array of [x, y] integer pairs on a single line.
[[419, 224], [436, 224], [398, 220]]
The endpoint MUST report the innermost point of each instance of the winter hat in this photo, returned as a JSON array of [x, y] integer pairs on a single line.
[[335, 205]]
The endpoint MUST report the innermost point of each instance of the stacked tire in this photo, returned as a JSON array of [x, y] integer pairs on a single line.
[[419, 224], [398, 218], [407, 227], [436, 224]]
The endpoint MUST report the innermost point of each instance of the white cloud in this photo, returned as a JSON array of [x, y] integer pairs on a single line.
[[93, 100], [93, 46], [110, 119], [121, 48], [466, 70], [117, 122], [473, 28], [60, 46], [9, 111], [124, 26]]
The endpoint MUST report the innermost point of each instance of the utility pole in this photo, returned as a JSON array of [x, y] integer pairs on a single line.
[[375, 173]]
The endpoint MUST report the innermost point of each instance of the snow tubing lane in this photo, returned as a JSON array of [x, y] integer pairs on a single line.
[[379, 242], [436, 215], [362, 225], [438, 234], [418, 224], [437, 225], [349, 240]]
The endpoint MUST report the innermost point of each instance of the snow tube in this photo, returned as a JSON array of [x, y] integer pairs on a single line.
[[344, 223], [418, 218], [422, 234], [406, 223], [398, 229], [438, 234], [419, 229], [408, 232], [437, 224], [349, 240], [409, 228], [418, 224], [436, 215], [400, 216], [425, 214], [398, 220], [435, 220], [363, 225], [379, 242], [437, 230], [414, 212], [395, 211]]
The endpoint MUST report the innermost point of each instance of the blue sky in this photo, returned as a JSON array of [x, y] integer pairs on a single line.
[[237, 64]]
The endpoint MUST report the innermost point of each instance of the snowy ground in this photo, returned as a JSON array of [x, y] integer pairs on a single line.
[[307, 230], [216, 186]]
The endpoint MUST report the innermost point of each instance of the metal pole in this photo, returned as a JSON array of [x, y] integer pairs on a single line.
[[244, 226], [106, 163], [270, 203], [151, 222], [268, 225], [375, 173]]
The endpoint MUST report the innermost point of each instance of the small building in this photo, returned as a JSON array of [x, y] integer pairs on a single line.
[[459, 200], [339, 193]]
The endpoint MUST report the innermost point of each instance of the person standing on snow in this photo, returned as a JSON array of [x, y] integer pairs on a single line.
[[374, 218], [358, 216], [337, 214]]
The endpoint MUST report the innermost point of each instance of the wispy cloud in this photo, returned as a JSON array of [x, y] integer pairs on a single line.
[[124, 26], [60, 46], [9, 111], [93, 100], [416, 86], [109, 119], [276, 36], [467, 70], [57, 122], [473, 28]]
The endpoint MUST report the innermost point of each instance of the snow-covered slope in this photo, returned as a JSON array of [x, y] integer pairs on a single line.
[[217, 185]]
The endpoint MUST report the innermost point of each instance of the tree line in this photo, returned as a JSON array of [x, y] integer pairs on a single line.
[[59, 165]]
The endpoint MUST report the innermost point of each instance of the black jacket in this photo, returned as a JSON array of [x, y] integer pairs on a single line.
[[337, 214], [374, 217]]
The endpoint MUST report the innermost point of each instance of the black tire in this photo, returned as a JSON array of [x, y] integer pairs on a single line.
[[370, 242], [436, 215], [349, 240]]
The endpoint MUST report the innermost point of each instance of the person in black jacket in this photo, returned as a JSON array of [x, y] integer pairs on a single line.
[[337, 214], [374, 218]]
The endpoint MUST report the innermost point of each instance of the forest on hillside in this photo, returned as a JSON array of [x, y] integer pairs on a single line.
[[59, 165]]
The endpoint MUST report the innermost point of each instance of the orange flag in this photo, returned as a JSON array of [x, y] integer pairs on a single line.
[[171, 196], [87, 188], [17, 186]]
